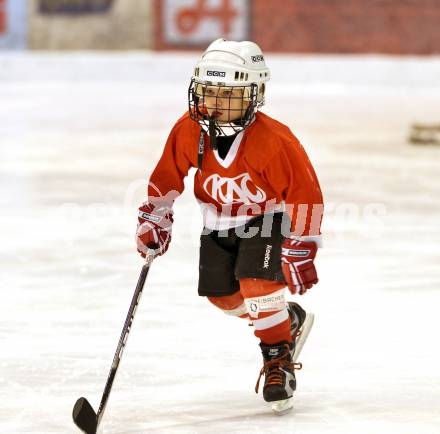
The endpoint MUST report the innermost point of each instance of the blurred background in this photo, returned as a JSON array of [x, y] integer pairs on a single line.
[[297, 26], [89, 90]]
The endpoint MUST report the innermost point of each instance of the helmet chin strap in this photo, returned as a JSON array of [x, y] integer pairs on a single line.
[[212, 131], [212, 134]]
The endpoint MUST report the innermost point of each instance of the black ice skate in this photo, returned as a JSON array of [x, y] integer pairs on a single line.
[[297, 317], [279, 371], [301, 324], [280, 361]]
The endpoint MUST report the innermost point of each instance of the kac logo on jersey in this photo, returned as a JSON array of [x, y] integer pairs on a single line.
[[240, 189]]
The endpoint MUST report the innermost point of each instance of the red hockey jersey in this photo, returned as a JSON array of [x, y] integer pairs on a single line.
[[265, 170]]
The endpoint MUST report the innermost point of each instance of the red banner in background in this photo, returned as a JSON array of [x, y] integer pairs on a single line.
[[2, 17], [302, 26], [196, 23]]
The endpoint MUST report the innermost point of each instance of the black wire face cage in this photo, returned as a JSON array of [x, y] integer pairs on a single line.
[[229, 108]]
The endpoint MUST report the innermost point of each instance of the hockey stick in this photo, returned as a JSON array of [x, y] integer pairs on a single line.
[[83, 414]]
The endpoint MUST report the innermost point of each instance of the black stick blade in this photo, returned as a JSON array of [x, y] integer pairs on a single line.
[[84, 416]]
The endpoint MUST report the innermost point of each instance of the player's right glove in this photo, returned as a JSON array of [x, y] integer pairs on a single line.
[[297, 264], [153, 234]]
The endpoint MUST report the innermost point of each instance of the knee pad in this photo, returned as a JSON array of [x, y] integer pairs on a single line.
[[230, 304], [262, 296]]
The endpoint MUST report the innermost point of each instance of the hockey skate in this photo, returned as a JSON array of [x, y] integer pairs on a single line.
[[301, 324], [280, 362]]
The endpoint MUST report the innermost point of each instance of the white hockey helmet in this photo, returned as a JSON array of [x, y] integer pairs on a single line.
[[239, 66], [231, 63]]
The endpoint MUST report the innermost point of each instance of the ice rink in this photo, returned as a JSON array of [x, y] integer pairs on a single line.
[[79, 134]]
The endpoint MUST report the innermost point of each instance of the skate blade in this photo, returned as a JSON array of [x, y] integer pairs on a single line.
[[282, 407], [305, 330]]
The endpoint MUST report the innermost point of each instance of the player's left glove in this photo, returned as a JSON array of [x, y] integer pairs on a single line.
[[153, 234], [297, 264]]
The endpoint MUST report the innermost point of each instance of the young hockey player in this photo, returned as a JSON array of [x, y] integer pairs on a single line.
[[261, 204]]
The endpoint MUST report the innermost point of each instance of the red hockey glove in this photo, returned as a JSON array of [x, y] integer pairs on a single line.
[[153, 233], [297, 264]]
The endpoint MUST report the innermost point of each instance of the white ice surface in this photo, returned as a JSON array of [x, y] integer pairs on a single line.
[[78, 136]]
